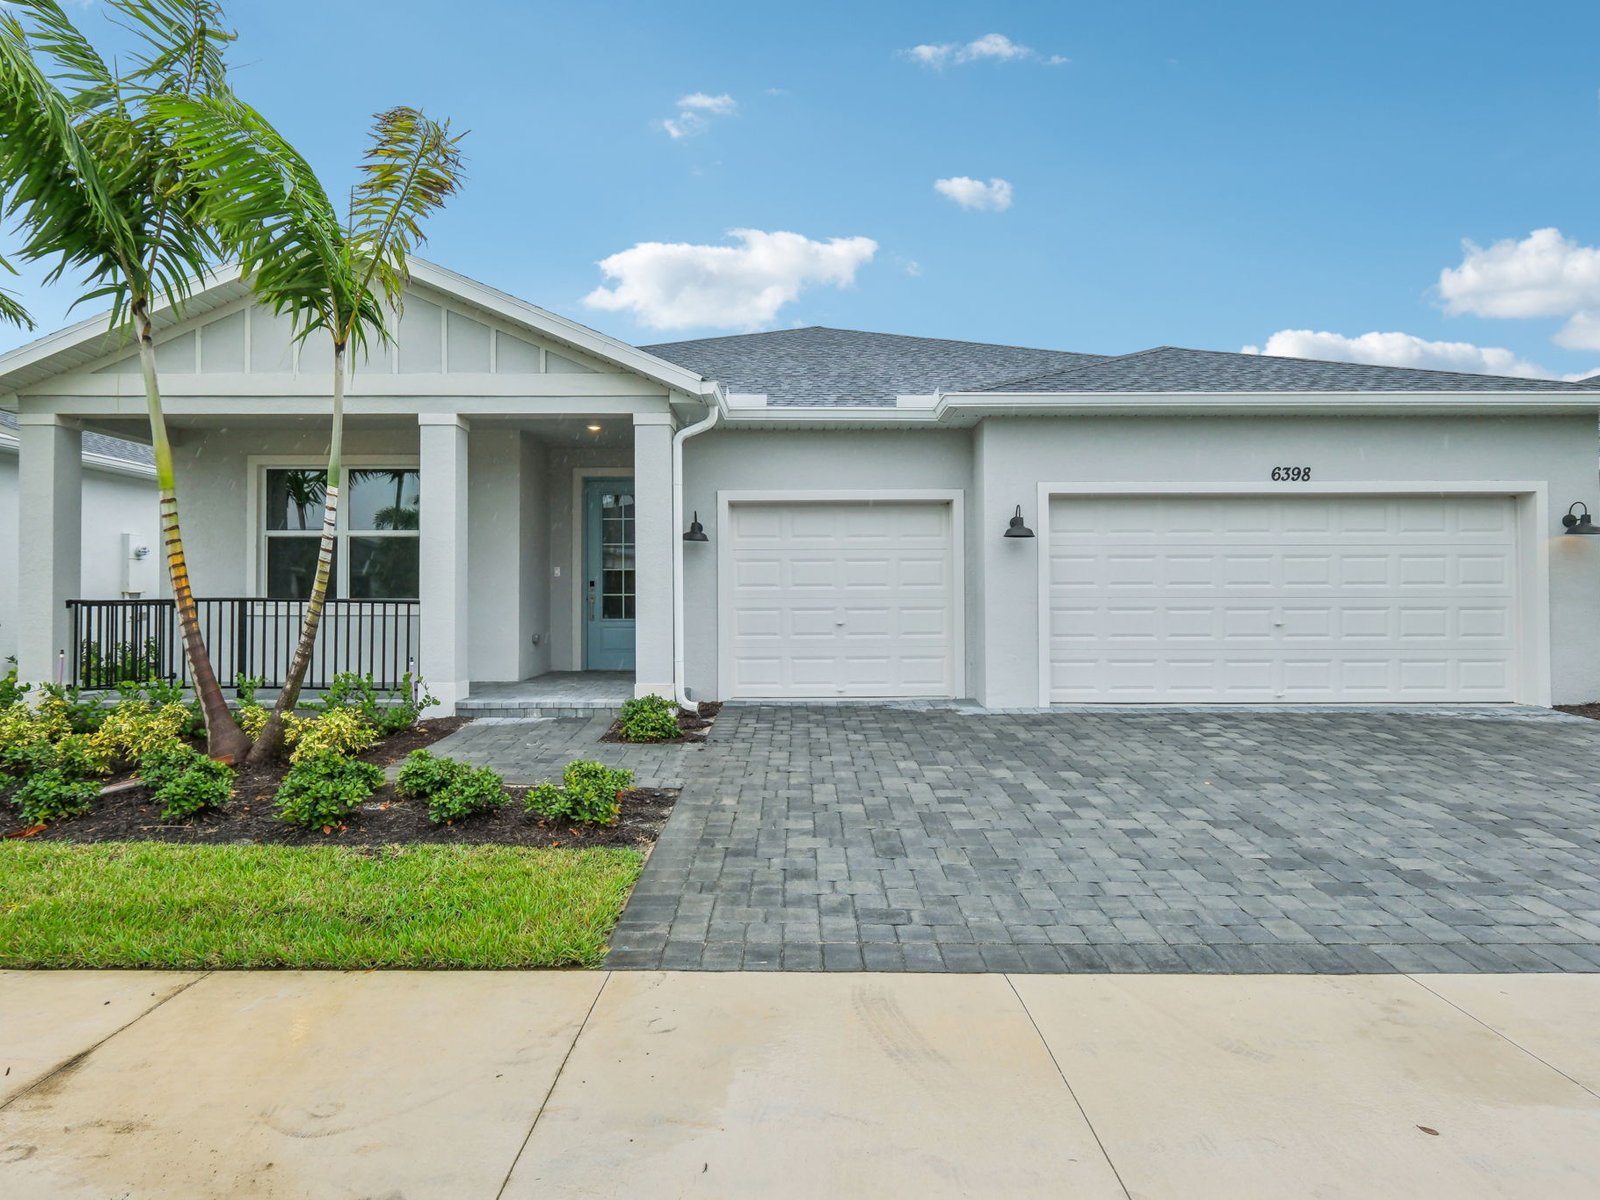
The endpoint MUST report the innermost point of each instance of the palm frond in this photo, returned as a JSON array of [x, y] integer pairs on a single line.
[[264, 204], [412, 167], [11, 309], [53, 34], [183, 45], [55, 184]]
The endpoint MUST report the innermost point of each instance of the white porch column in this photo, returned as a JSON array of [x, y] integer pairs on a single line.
[[653, 535], [443, 587], [50, 558]]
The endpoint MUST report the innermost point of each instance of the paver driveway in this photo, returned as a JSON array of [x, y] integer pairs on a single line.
[[882, 838]]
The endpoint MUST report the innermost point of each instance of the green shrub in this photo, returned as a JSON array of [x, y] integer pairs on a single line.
[[452, 789], [473, 790], [54, 793], [423, 774], [324, 788], [391, 714], [184, 781], [12, 692], [590, 793], [649, 719]]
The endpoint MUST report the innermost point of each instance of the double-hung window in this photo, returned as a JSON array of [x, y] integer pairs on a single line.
[[376, 554]]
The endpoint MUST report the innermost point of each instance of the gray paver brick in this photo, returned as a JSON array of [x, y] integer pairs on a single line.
[[914, 837]]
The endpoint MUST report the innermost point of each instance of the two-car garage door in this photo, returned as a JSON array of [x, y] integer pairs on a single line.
[[1281, 599], [847, 598]]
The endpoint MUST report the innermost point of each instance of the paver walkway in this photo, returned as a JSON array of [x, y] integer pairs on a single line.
[[880, 838], [506, 1084]]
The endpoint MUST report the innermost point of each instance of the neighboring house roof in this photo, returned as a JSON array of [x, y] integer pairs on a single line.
[[1173, 369], [95, 445], [821, 366]]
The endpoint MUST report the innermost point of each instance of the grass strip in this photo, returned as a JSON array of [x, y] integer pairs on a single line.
[[147, 904]]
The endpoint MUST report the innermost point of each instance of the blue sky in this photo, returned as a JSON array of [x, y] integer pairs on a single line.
[[1199, 175]]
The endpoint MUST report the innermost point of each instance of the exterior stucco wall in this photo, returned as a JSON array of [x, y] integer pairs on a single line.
[[1017, 455], [113, 504], [803, 461]]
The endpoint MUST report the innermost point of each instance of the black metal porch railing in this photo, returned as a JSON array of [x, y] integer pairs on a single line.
[[247, 637]]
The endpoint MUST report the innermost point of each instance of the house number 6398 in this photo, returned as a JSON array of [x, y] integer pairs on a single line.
[[1291, 474]]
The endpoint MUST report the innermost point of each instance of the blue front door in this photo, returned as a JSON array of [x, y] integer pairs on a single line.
[[608, 574]]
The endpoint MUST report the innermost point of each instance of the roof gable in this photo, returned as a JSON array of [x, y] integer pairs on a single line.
[[450, 324]]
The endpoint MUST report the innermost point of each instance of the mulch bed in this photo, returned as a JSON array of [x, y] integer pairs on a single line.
[[127, 814], [695, 729], [1590, 710]]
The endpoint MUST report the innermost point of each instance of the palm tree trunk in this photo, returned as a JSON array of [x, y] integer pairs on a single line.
[[224, 738], [270, 744]]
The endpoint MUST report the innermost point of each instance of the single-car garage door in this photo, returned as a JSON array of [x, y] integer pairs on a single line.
[[849, 598], [1292, 599]]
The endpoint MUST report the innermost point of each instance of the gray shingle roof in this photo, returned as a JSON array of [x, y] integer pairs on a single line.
[[824, 366], [98, 443], [1172, 369]]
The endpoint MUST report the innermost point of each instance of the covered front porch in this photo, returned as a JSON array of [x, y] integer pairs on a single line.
[[519, 565]]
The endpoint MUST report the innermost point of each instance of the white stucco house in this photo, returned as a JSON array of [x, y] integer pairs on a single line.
[[118, 522], [868, 515]]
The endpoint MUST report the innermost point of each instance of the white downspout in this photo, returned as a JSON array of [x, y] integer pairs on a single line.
[[681, 694]]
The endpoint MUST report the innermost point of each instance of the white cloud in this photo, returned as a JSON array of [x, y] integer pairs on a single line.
[[695, 111], [678, 285], [994, 196], [1399, 350], [991, 47], [1543, 275]]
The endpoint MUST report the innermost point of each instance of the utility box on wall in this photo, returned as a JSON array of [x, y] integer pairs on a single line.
[[138, 567]]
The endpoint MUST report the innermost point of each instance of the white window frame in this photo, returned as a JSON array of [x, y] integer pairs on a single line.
[[260, 464]]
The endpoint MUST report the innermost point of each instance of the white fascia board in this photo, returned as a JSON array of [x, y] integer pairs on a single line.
[[1382, 403], [95, 331], [965, 408], [559, 328]]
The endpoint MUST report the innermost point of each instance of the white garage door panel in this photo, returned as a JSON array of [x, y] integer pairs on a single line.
[[1309, 599], [841, 599]]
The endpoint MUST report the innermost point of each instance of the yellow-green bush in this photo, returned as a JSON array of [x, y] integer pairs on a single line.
[[342, 730], [252, 719], [27, 737], [134, 728]]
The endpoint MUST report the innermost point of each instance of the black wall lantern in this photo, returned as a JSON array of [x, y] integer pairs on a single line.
[[1018, 529], [697, 531], [1579, 522]]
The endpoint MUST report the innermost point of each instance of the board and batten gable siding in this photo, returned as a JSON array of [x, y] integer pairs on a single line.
[[431, 338]]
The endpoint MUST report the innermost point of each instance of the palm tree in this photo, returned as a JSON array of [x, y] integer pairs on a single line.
[[344, 277], [88, 175]]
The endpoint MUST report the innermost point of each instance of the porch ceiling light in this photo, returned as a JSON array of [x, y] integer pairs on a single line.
[[593, 428], [1579, 522], [697, 531], [1017, 528]]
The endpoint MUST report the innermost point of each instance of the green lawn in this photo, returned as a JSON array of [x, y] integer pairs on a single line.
[[152, 905]]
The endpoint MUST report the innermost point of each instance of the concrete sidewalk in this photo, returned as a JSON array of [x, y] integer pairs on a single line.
[[634, 1084]]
